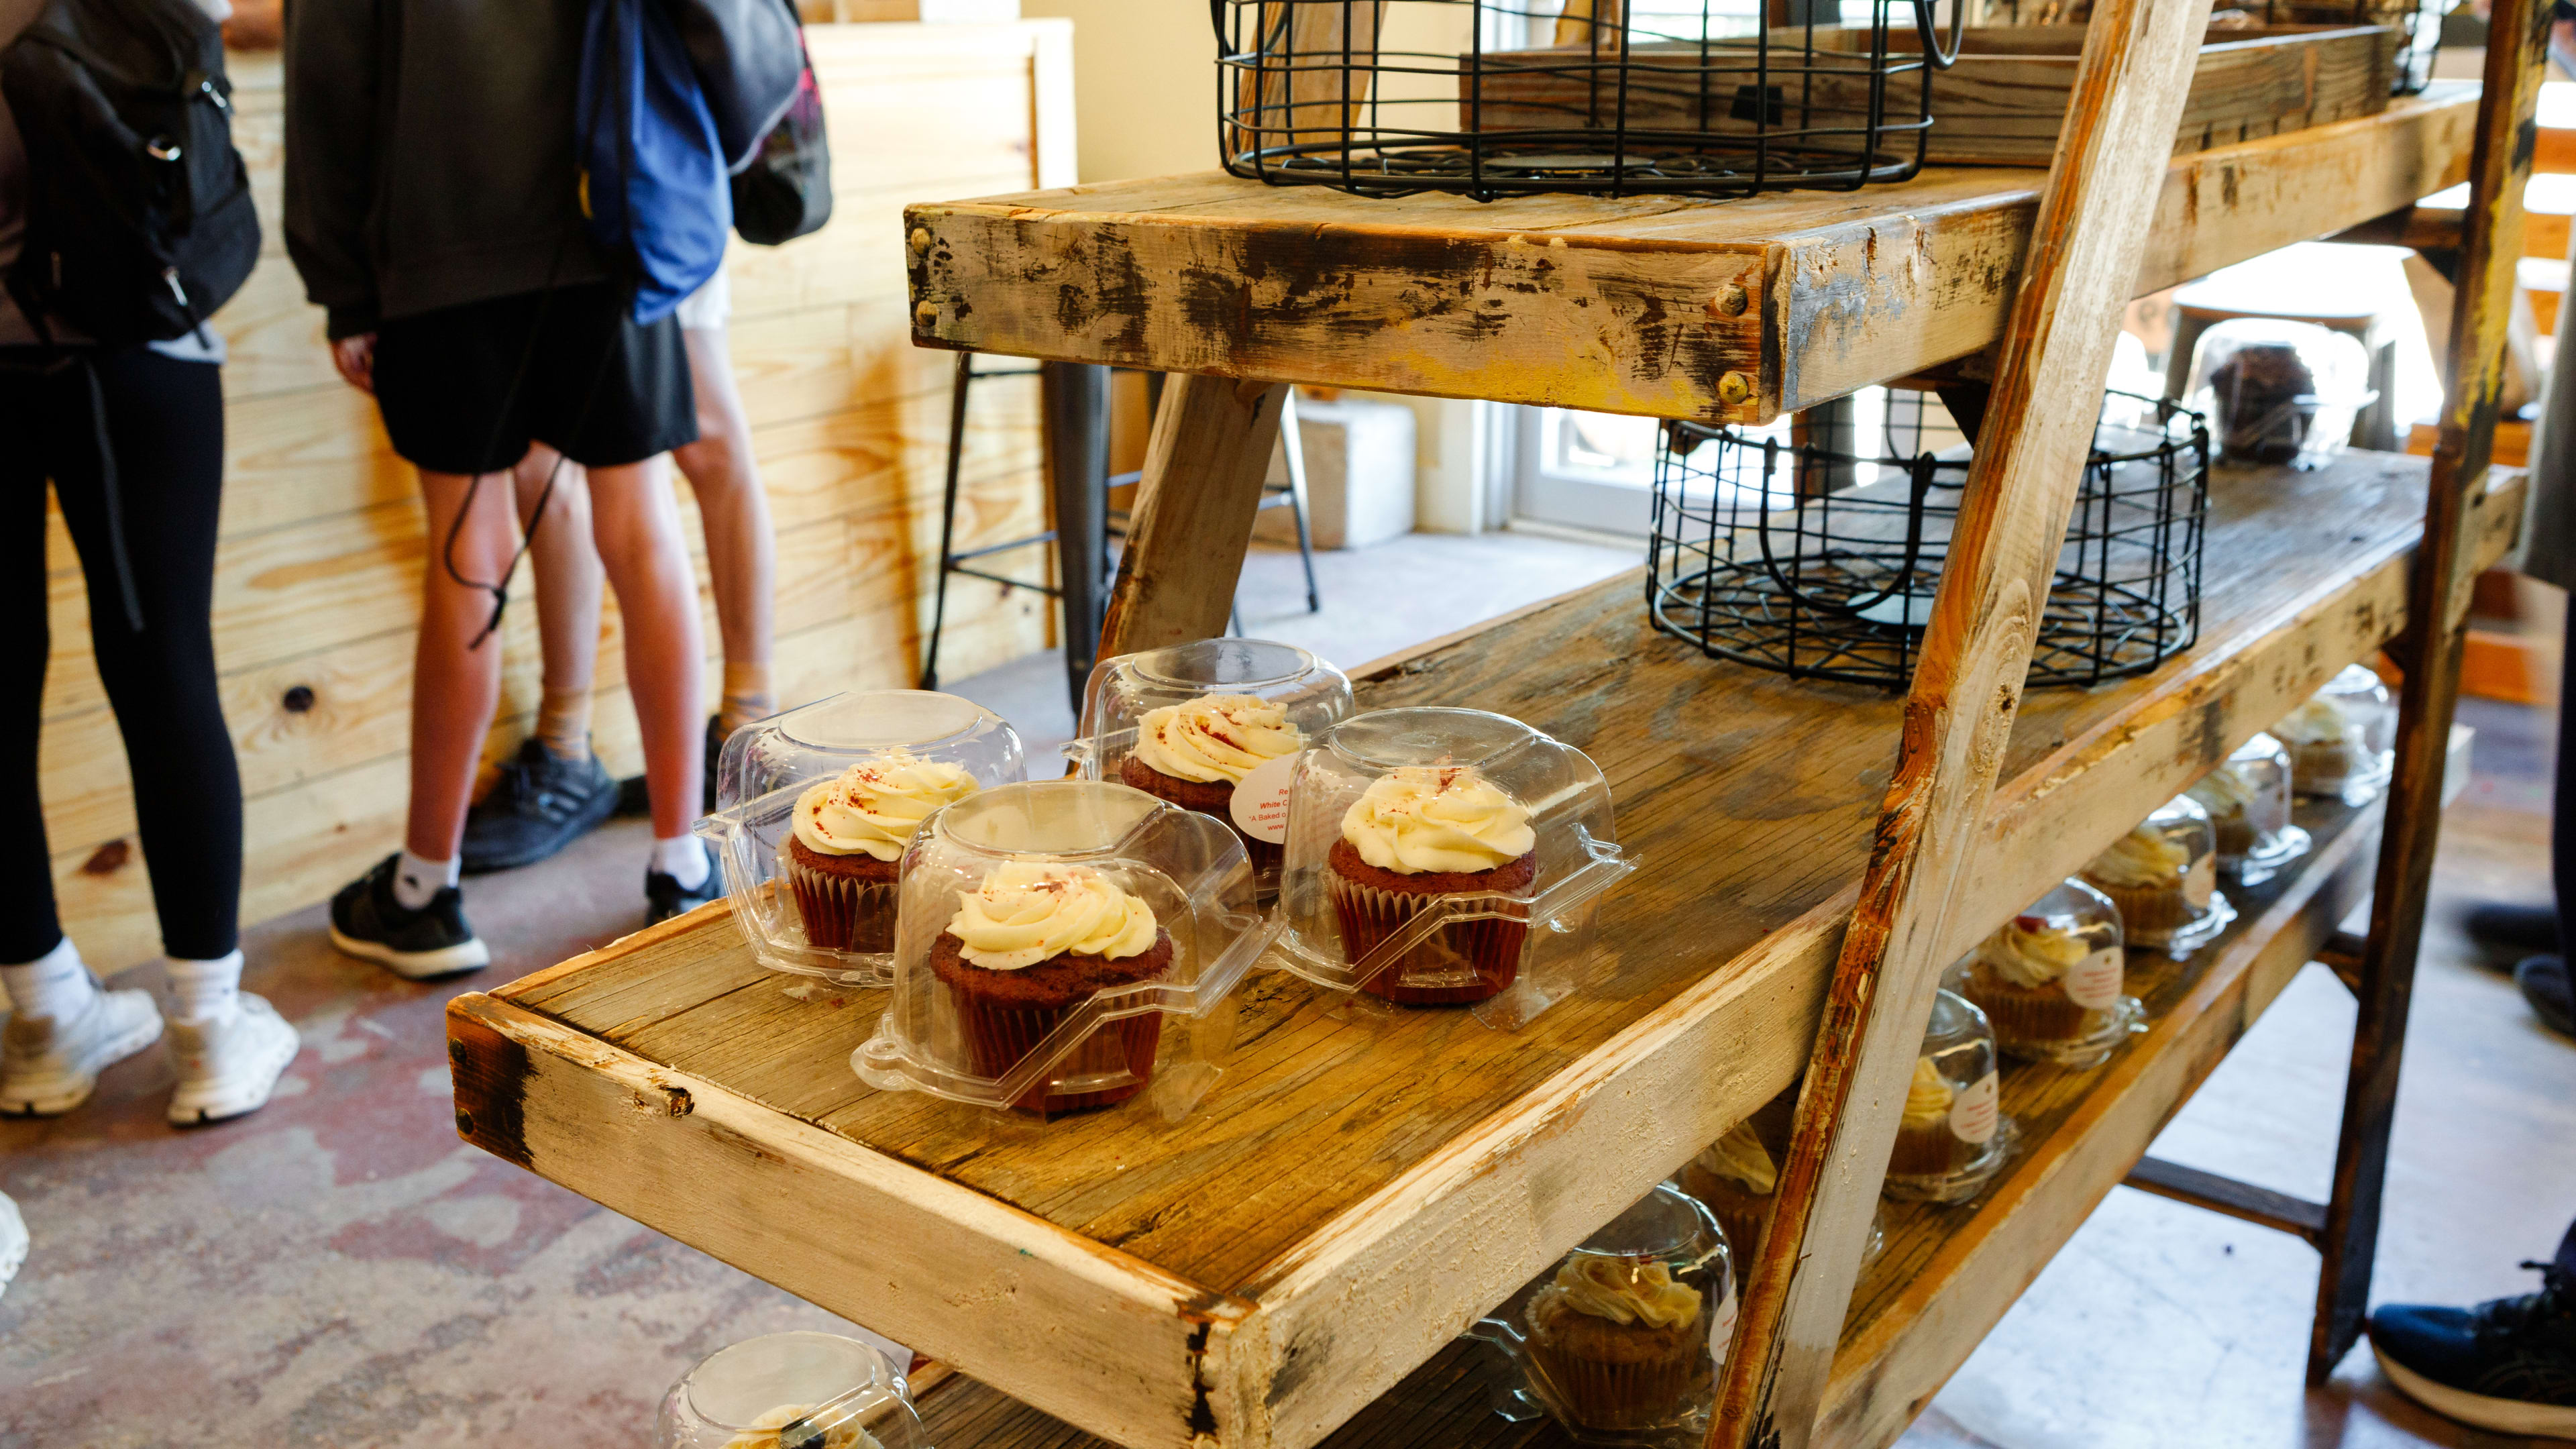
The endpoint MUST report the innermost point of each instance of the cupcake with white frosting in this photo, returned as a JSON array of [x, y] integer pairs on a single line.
[[1925, 1145], [2147, 874], [1737, 1181], [1416, 834], [1034, 942], [844, 855], [2325, 744], [1617, 1342], [1197, 753], [2044, 983]]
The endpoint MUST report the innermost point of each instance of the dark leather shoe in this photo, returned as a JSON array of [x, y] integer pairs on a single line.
[[2543, 980], [2511, 931]]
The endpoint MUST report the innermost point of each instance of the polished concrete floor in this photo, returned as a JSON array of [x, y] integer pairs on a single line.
[[337, 1270]]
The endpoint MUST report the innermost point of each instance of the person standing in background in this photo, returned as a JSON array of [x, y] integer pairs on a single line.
[[556, 789], [433, 207], [159, 408]]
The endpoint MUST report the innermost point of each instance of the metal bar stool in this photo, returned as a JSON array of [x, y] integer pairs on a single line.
[[1064, 396]]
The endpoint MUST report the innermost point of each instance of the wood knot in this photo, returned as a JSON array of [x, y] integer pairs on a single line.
[[299, 699], [677, 1101], [108, 859], [927, 314]]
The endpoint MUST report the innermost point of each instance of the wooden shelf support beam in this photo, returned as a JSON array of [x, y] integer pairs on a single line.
[[2278, 1210]]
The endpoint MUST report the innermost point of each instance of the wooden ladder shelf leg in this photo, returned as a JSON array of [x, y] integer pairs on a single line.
[[1192, 523]]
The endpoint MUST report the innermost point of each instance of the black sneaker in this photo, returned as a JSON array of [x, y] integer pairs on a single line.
[[715, 752], [2507, 1365], [2512, 932], [2543, 980], [665, 897], [543, 803], [367, 922]]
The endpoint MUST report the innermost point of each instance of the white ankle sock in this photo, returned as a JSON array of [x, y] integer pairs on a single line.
[[418, 880], [683, 859], [204, 991], [56, 984]]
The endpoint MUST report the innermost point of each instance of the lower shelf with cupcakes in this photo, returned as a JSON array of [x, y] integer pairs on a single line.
[[1363, 1179], [1950, 1270]]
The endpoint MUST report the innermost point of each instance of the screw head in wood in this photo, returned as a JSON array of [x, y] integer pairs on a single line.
[[1730, 301], [920, 241], [927, 314], [1734, 388]]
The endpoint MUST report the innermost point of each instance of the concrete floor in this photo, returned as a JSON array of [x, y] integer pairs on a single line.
[[337, 1270]]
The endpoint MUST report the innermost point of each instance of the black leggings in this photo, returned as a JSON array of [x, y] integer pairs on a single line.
[[167, 422]]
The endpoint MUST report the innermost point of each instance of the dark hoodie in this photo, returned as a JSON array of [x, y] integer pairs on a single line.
[[429, 153]]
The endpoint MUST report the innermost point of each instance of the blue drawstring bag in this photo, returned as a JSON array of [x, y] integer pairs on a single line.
[[654, 184]]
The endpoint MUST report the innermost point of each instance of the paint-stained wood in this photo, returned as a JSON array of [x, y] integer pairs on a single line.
[[1663, 306], [318, 567], [1350, 1151]]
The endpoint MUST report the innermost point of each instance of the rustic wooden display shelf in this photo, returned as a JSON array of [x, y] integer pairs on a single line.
[[1362, 1182], [1665, 306], [1947, 1272]]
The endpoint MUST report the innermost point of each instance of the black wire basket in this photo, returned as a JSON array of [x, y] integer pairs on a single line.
[[1814, 558], [1494, 98]]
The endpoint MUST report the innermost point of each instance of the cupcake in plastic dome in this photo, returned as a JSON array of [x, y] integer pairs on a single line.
[[1951, 1135], [2053, 979], [2248, 800], [791, 1391], [1737, 1178], [2163, 878], [845, 848], [1423, 832], [2343, 740]]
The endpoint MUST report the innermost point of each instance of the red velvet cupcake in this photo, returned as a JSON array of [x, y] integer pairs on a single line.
[[1195, 754], [841, 863], [1028, 948], [1416, 835]]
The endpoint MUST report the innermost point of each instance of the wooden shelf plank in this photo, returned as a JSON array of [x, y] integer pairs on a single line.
[[1948, 1271], [1640, 305], [1365, 1180]]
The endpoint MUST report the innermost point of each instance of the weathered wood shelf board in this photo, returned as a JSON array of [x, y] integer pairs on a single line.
[[1363, 1181], [1664, 306], [1948, 1272]]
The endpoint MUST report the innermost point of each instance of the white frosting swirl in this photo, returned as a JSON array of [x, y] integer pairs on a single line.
[[1740, 1158], [2143, 857], [2320, 721], [1928, 1096], [1420, 818], [1626, 1290], [2028, 951], [1031, 911], [1216, 737], [874, 806], [2226, 790]]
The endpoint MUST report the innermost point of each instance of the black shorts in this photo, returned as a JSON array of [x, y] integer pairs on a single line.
[[597, 388]]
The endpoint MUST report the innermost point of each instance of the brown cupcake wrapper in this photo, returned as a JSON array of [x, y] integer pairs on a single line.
[[998, 1038], [2030, 1016], [841, 914], [1459, 963], [2236, 836], [2150, 908], [1933, 1151], [1645, 1394]]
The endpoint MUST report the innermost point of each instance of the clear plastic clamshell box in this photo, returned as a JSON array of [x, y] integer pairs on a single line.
[[2343, 741], [1620, 1344], [2248, 800], [2162, 877], [834, 916], [1952, 1137], [1060, 940], [2053, 980], [792, 1391], [1210, 752], [1441, 920], [2277, 391]]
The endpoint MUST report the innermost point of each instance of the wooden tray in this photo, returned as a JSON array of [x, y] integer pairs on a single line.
[[2002, 104]]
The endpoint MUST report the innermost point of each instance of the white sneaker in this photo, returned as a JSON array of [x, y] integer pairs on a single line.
[[229, 1067], [50, 1066], [13, 1241]]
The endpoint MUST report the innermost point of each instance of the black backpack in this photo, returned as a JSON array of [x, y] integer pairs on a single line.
[[786, 191], [139, 216]]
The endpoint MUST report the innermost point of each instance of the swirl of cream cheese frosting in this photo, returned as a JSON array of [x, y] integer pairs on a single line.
[[2226, 790], [1928, 1096], [1031, 911], [1740, 1158], [1419, 818], [2320, 721], [2143, 857], [874, 806], [2028, 951], [764, 1431], [1216, 737], [1624, 1290]]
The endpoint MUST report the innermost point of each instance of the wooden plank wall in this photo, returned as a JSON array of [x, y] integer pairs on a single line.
[[318, 568]]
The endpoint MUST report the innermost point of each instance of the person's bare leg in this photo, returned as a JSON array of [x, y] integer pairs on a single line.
[[455, 688], [569, 581], [742, 547], [637, 524]]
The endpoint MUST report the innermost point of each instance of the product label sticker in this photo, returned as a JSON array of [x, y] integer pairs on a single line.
[[2200, 882], [1977, 1110], [1721, 1324], [1260, 805], [2095, 982]]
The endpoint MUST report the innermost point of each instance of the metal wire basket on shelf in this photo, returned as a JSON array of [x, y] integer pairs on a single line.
[[1492, 98], [1816, 554]]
